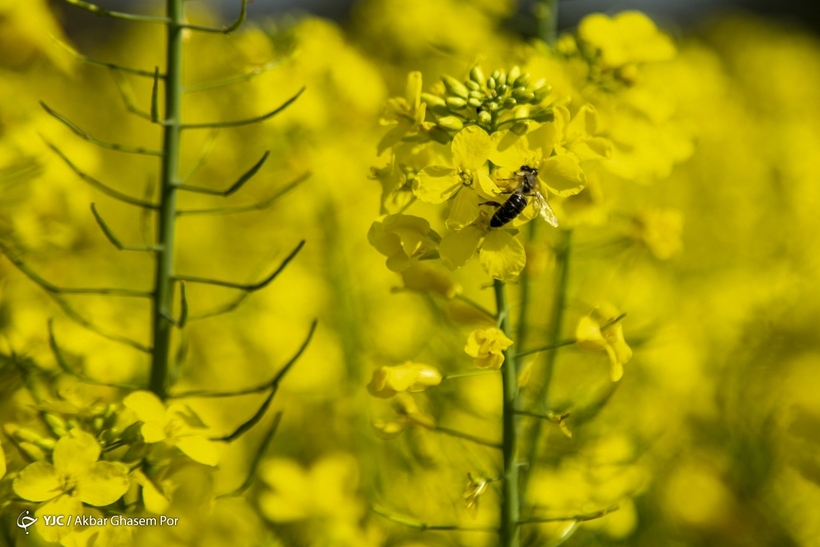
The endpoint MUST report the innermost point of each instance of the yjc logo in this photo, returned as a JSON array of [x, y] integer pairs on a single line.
[[24, 521]]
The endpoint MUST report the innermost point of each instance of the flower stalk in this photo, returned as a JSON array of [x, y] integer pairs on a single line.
[[162, 302], [510, 504]]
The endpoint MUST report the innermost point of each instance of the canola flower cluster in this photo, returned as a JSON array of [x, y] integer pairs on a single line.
[[697, 220]]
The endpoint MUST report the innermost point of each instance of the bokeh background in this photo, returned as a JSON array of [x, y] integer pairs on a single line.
[[711, 438]]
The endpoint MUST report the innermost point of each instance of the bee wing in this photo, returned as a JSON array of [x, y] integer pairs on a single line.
[[544, 209]]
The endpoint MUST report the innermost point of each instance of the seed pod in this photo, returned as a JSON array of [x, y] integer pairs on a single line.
[[456, 102], [452, 123], [432, 100], [454, 87], [477, 75]]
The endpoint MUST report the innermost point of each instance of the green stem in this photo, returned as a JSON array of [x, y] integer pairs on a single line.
[[562, 253], [546, 12], [525, 282], [510, 503], [164, 276]]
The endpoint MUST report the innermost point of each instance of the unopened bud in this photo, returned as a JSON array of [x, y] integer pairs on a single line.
[[513, 74], [432, 100], [485, 117], [509, 102], [475, 103], [454, 87], [456, 102], [477, 75], [491, 83], [452, 123], [472, 86], [522, 81], [520, 128]]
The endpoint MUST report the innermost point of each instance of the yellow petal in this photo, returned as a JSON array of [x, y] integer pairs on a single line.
[[152, 432], [424, 279], [616, 369], [502, 256], [510, 151], [76, 452], [103, 484], [464, 210], [584, 124], [436, 184], [457, 247], [153, 499], [199, 449], [412, 92], [388, 429], [2, 462], [38, 481], [67, 505], [471, 148], [596, 148], [562, 176], [588, 334], [146, 405]]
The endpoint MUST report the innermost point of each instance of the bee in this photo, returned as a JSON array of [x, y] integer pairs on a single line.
[[527, 189]]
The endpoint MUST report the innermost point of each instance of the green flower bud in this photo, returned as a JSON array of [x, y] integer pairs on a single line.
[[513, 75], [439, 135], [491, 83], [520, 128], [477, 75], [432, 100], [135, 452], [55, 423], [110, 416], [527, 98], [543, 116], [46, 444], [26, 435], [485, 117], [131, 432], [456, 102], [502, 79], [472, 86], [476, 95], [542, 93], [97, 424], [31, 452], [502, 89], [475, 103], [454, 87], [452, 123], [509, 102], [493, 106], [495, 75], [523, 80], [518, 91], [440, 111]]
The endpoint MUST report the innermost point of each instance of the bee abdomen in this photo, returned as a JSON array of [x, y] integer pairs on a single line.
[[508, 210]]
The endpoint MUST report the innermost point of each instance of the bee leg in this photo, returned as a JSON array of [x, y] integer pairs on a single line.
[[493, 203]]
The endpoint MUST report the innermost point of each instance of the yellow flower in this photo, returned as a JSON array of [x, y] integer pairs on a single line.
[[175, 426], [629, 37], [473, 490], [596, 332], [403, 239], [75, 477], [487, 346], [435, 184], [661, 231], [409, 376], [404, 113], [327, 490], [556, 149], [424, 279]]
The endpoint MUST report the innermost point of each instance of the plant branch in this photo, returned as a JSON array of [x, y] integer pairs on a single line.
[[235, 186], [424, 527], [264, 204], [248, 121], [109, 234], [582, 517]]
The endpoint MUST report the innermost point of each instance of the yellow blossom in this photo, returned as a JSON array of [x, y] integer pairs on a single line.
[[409, 376], [424, 279], [487, 346], [75, 477], [661, 231], [403, 239], [464, 183], [405, 113], [409, 415], [629, 37], [473, 490], [175, 425], [597, 332]]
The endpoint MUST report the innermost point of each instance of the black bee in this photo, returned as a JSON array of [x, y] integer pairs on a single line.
[[515, 204]]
